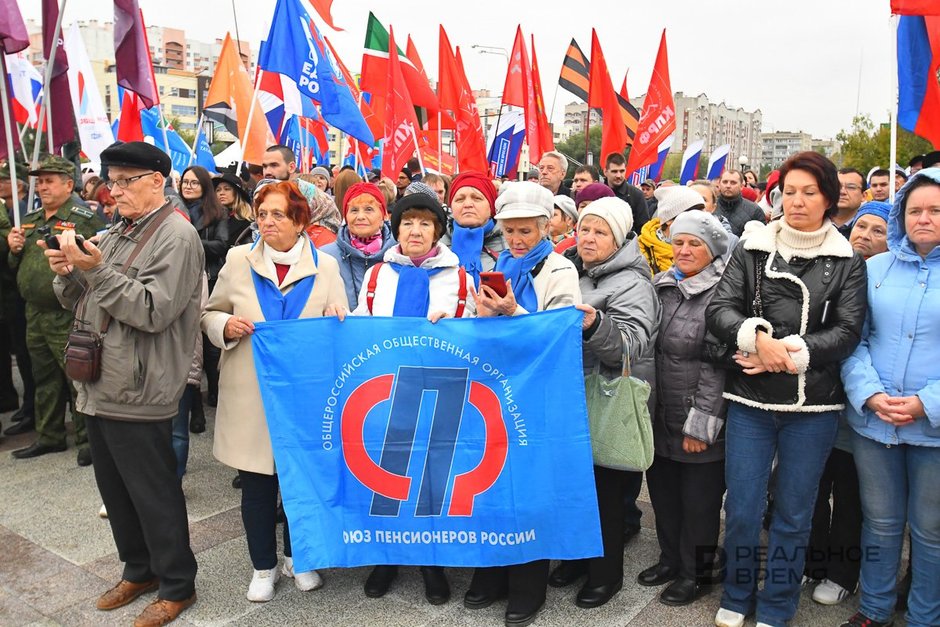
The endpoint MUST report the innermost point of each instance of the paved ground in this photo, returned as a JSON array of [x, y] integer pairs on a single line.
[[57, 556]]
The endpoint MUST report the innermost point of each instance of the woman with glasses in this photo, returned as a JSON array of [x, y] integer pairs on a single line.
[[281, 276], [210, 218]]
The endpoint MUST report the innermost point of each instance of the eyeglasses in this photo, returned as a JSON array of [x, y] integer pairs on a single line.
[[277, 216], [852, 187], [192, 183], [123, 183]]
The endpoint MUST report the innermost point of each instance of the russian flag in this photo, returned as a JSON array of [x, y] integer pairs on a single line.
[[26, 83], [690, 159], [657, 170], [716, 162], [506, 142], [918, 63]]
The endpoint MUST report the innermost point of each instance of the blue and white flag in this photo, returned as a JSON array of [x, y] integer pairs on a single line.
[[690, 159], [204, 156], [295, 48], [461, 443], [505, 142], [656, 171], [716, 162]]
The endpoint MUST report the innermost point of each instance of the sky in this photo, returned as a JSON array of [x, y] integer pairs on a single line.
[[808, 65]]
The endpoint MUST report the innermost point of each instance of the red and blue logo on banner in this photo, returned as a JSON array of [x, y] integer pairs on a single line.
[[461, 443]]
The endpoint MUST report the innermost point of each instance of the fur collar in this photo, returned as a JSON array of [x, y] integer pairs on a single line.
[[764, 238]]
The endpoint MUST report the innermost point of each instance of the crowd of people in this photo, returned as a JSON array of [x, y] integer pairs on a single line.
[[783, 327]]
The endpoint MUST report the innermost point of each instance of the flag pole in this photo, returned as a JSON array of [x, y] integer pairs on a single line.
[[440, 141], [251, 111], [893, 156], [589, 160], [192, 152], [163, 124], [9, 127], [414, 137], [21, 129]]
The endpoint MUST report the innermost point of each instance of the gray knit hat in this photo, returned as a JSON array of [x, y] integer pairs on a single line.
[[320, 170], [704, 226]]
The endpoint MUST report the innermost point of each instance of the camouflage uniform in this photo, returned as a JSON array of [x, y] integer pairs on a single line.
[[47, 323]]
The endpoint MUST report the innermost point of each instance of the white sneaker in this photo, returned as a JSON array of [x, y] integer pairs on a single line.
[[807, 582], [305, 582], [103, 512], [763, 625], [829, 593], [727, 618], [261, 588]]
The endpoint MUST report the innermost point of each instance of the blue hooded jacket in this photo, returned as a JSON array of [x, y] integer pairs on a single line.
[[898, 351], [353, 263]]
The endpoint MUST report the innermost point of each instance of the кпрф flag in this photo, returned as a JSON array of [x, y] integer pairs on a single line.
[[295, 49], [659, 113], [400, 141], [576, 72]]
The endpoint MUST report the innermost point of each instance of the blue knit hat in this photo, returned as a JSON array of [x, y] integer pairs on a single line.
[[875, 208]]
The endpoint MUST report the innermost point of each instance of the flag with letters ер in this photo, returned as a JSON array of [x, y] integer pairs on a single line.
[[461, 443]]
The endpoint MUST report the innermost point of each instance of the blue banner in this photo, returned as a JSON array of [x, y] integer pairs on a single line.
[[461, 443]]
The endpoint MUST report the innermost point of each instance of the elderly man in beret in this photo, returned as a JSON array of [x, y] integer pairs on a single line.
[[47, 324], [140, 290]]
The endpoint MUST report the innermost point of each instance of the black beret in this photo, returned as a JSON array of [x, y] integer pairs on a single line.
[[137, 155], [417, 201]]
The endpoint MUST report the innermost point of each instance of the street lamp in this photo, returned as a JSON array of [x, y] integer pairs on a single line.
[[743, 161], [491, 50]]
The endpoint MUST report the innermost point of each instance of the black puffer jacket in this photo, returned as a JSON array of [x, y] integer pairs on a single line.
[[818, 303], [214, 238]]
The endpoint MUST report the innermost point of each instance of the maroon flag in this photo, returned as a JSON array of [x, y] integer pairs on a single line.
[[60, 99], [132, 54], [13, 35]]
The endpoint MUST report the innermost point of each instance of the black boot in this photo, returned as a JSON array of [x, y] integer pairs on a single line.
[[197, 415], [436, 588], [379, 581]]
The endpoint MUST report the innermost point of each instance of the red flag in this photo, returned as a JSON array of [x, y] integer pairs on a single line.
[[399, 143], [631, 117], [323, 8], [519, 90], [603, 96], [13, 35], [659, 114], [915, 7], [471, 145], [129, 128], [432, 156], [412, 53], [546, 141]]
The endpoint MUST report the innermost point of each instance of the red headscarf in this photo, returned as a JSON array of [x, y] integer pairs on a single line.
[[365, 188], [477, 181]]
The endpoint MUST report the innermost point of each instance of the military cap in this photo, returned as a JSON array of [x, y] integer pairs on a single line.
[[137, 155], [22, 173], [55, 164]]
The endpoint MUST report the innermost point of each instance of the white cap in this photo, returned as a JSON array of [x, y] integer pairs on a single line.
[[524, 200], [674, 200]]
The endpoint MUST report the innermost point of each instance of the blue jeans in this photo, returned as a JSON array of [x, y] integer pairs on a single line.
[[181, 432], [898, 485], [802, 442]]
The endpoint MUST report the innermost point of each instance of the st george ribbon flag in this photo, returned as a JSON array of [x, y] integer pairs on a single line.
[[451, 444]]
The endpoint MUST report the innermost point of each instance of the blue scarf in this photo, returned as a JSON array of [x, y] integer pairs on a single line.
[[467, 244], [519, 270], [676, 272], [275, 305], [413, 296]]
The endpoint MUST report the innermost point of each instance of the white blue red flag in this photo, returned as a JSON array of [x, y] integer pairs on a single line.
[[717, 160], [690, 158]]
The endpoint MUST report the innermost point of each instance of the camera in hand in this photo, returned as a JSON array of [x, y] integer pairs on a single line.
[[52, 242]]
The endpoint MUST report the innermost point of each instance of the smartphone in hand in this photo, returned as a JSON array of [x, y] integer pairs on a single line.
[[496, 281]]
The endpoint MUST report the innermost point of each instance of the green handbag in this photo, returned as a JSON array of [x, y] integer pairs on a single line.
[[621, 429]]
